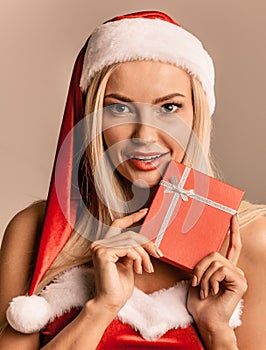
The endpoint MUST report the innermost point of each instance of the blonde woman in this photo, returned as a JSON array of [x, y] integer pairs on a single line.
[[145, 86]]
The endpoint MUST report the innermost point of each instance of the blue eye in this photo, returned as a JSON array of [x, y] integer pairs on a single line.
[[171, 107], [119, 108]]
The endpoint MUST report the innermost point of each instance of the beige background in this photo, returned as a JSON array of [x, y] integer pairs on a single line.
[[39, 42]]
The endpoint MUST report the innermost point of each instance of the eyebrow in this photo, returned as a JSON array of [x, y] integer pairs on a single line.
[[155, 101]]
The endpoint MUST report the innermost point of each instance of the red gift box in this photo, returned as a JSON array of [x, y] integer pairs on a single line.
[[190, 215]]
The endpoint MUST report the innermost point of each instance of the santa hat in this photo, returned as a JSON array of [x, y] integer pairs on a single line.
[[148, 35]]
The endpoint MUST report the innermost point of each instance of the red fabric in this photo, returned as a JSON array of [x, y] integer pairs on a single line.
[[57, 228], [57, 325], [146, 14], [122, 336]]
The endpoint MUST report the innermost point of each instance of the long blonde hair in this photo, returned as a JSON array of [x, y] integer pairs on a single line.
[[76, 251]]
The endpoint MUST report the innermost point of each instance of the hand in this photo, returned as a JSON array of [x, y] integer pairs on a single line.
[[116, 258], [217, 287]]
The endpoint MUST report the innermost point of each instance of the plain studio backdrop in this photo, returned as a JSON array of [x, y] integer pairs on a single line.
[[39, 43]]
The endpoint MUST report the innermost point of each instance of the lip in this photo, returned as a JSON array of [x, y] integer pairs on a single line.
[[145, 154], [146, 164]]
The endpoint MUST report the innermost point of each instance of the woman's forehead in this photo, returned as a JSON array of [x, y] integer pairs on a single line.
[[144, 81]]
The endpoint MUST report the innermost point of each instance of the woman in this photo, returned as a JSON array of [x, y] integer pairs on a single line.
[[143, 80]]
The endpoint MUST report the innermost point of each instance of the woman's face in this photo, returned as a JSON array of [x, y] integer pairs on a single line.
[[147, 119]]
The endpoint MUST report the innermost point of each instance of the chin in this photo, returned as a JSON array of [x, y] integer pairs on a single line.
[[144, 185], [145, 181]]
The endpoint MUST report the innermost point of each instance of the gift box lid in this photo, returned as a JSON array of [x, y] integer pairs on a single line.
[[190, 215]]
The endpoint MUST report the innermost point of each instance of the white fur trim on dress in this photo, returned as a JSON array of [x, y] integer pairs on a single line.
[[148, 39], [150, 314], [156, 313]]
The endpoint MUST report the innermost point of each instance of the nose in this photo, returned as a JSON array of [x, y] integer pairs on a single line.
[[145, 131], [144, 134]]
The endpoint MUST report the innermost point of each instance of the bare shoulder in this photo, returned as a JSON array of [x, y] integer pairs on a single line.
[[253, 258], [18, 252], [34, 213], [253, 238], [252, 333], [23, 228]]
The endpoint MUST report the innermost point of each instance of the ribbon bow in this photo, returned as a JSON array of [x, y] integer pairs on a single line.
[[173, 186]]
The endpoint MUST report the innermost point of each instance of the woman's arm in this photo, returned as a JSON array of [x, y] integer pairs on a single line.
[[17, 255], [85, 332], [252, 333], [116, 259]]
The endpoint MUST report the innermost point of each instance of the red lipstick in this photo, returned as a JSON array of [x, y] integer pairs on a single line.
[[146, 161]]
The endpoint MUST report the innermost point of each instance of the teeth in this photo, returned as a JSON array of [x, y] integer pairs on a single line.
[[145, 158]]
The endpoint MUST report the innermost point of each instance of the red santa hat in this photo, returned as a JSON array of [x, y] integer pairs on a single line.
[[148, 35]]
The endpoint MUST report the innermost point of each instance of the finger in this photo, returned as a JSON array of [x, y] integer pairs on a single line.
[[205, 284], [152, 249], [216, 278], [232, 279], [102, 256], [131, 239], [129, 220], [129, 254], [146, 261], [204, 264], [220, 275], [125, 222], [235, 244], [124, 239], [140, 259]]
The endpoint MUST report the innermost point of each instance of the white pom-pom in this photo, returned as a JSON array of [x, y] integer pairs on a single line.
[[28, 314]]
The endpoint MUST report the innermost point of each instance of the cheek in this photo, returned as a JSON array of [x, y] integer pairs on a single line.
[[109, 138], [176, 147], [178, 134], [113, 135], [116, 138]]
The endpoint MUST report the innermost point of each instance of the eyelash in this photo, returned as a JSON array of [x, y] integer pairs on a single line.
[[113, 108], [177, 105]]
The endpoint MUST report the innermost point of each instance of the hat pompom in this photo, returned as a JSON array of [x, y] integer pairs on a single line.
[[28, 314]]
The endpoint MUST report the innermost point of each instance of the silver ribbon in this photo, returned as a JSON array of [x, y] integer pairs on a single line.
[[179, 191]]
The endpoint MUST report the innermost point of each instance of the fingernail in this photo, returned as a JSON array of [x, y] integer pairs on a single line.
[[202, 295], [194, 282], [159, 252], [237, 216], [151, 268], [144, 210]]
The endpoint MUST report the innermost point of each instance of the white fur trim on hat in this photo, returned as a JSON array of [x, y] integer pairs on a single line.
[[70, 289], [150, 314], [148, 39]]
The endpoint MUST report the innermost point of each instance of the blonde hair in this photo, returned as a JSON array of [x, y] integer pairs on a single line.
[[109, 182]]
